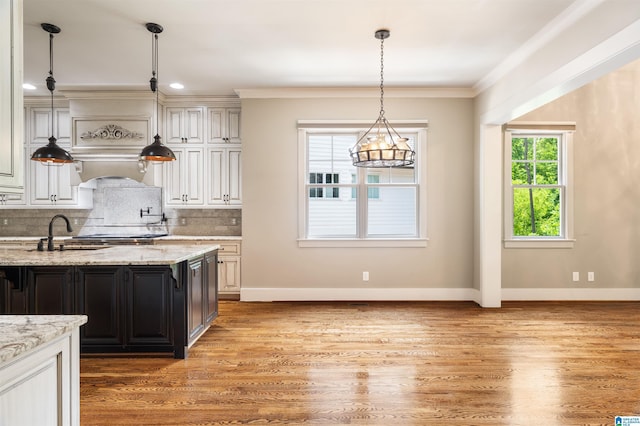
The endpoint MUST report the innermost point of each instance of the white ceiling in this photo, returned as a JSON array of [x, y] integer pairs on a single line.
[[216, 46]]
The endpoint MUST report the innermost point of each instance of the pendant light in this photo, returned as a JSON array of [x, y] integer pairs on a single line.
[[156, 151], [51, 154], [383, 147]]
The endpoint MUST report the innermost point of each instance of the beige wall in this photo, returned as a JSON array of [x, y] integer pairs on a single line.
[[271, 257], [607, 190]]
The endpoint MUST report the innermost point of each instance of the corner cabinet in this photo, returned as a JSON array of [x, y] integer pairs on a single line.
[[207, 171], [11, 110]]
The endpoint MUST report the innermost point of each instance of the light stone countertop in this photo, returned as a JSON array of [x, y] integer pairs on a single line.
[[104, 255], [21, 333]]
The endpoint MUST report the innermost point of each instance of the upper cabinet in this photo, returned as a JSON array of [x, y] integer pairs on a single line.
[[207, 170], [184, 125], [224, 125], [11, 112], [50, 185]]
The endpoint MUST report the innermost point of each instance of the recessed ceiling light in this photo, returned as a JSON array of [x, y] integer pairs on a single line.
[[28, 86], [176, 86]]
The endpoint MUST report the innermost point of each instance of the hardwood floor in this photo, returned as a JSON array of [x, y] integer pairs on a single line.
[[383, 363]]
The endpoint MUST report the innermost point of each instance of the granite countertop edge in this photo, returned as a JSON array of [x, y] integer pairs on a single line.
[[161, 254], [22, 333]]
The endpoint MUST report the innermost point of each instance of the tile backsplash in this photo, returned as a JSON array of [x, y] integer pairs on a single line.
[[117, 203]]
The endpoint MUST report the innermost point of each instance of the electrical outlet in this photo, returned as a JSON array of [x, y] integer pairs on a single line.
[[5, 221], [365, 276], [183, 221], [576, 276], [591, 276], [234, 221]]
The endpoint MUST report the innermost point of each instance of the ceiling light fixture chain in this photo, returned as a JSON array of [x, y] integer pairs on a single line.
[[51, 154], [156, 151], [385, 148]]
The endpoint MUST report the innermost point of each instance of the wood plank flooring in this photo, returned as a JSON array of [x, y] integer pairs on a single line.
[[383, 363]]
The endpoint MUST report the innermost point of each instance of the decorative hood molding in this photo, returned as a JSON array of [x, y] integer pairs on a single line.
[[108, 131]]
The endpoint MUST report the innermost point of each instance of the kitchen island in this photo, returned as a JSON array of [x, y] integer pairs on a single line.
[[40, 369], [143, 298]]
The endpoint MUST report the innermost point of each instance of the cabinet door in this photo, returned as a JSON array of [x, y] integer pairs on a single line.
[[13, 295], [50, 290], [225, 176], [211, 288], [52, 184], [224, 125], [149, 306], [229, 274], [234, 176], [184, 178], [233, 125], [184, 125], [11, 98], [98, 294], [195, 298]]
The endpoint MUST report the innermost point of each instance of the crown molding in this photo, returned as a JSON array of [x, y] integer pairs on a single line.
[[364, 92]]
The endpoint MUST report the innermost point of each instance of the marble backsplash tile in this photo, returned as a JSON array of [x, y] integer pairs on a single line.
[[123, 206]]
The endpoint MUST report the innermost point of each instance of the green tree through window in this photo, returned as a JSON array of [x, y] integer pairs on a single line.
[[536, 184]]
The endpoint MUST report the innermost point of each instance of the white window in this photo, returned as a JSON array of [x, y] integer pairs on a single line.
[[344, 205], [538, 185]]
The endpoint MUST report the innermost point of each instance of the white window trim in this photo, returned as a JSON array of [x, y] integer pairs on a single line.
[[566, 130], [323, 126]]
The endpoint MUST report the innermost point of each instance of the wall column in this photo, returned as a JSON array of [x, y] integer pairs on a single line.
[[490, 216]]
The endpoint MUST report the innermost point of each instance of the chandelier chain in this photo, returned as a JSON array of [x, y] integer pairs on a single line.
[[382, 77]]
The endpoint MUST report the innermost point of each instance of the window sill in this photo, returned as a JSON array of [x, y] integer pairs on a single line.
[[344, 242], [541, 243]]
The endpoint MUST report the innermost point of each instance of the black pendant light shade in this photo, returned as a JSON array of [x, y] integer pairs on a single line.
[[156, 151], [51, 153]]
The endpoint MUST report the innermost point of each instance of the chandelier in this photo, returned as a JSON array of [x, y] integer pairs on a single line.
[[382, 147]]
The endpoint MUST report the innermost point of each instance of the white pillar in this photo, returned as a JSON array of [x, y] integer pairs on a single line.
[[490, 216]]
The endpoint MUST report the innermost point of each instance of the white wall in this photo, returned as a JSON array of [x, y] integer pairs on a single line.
[[271, 258]]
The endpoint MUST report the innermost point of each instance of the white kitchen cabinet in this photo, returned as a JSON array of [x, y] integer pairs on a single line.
[[52, 184], [229, 256], [42, 385], [11, 100], [184, 125], [225, 174], [41, 126], [229, 274], [184, 178], [224, 125]]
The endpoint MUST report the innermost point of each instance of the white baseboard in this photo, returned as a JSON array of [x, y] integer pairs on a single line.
[[434, 294], [357, 294], [571, 294]]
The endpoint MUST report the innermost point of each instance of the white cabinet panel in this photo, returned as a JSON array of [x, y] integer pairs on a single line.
[[184, 125], [224, 125], [228, 274], [11, 99], [52, 184], [184, 180], [225, 173]]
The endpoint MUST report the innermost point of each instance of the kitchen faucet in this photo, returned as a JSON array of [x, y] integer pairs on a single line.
[[50, 237]]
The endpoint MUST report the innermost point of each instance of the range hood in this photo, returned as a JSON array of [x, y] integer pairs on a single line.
[[108, 131], [99, 165]]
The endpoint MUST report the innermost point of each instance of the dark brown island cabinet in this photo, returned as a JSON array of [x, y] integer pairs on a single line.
[[130, 308]]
